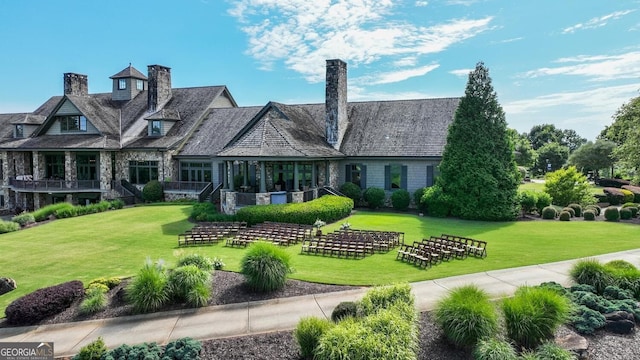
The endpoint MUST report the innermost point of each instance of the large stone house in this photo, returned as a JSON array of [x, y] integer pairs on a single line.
[[83, 147]]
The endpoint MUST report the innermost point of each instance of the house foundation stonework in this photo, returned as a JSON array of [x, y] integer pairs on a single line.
[[84, 147]]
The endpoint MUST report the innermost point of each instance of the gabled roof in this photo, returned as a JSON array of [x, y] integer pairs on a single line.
[[129, 72], [280, 130], [27, 119], [164, 114]]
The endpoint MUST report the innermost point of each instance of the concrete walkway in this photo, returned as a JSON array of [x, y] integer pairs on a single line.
[[274, 315]]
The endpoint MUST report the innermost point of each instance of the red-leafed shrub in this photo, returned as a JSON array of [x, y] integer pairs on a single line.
[[616, 183], [42, 303], [614, 195]]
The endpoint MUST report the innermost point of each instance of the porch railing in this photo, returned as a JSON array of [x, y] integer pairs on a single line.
[[204, 193], [54, 185], [185, 186]]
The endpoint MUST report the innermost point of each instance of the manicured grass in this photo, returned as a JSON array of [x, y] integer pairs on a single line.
[[539, 186], [116, 243]]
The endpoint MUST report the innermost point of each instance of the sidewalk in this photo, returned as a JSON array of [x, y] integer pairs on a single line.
[[274, 315]]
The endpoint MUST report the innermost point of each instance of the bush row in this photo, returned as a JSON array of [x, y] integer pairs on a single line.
[[206, 211], [375, 197], [42, 303], [383, 325], [181, 349], [8, 226], [329, 208], [80, 210], [615, 183]]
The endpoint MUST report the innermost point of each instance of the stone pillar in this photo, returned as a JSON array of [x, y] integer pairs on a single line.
[[263, 198], [228, 202], [315, 192], [297, 196], [69, 198], [70, 171], [35, 155], [263, 178], [104, 170]]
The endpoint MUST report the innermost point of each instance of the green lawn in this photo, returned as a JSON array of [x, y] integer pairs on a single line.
[[116, 243], [538, 186]]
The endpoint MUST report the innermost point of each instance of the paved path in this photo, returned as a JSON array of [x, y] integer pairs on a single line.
[[274, 315]]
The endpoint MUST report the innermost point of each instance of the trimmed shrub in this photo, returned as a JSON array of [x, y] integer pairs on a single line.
[[24, 219], [589, 215], [206, 211], [625, 214], [533, 315], [417, 199], [577, 209], [92, 351], [635, 190], [565, 216], [374, 196], [569, 210], [67, 213], [466, 315], [436, 202], [191, 284], [552, 351], [591, 272], [148, 291], [612, 213], [614, 183], [586, 321], [184, 349], [352, 191], [42, 303], [544, 200], [44, 213], [614, 196], [110, 283], [8, 226], [330, 208], [153, 191], [595, 208], [627, 196], [633, 207], [265, 267], [549, 213], [494, 349], [400, 199], [95, 300], [308, 333], [383, 297], [200, 261], [116, 204], [527, 200], [343, 310], [146, 351]]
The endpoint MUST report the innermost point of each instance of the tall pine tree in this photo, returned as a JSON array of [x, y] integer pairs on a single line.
[[478, 172]]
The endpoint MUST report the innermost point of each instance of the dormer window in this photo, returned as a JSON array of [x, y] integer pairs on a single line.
[[156, 128], [122, 84], [73, 123], [139, 85], [19, 130]]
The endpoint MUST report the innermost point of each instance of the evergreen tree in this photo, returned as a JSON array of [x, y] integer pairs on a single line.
[[478, 172]]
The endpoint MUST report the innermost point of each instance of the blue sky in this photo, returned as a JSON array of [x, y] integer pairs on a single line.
[[572, 63]]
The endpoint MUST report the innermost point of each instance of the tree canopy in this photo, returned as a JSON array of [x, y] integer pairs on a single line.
[[478, 172], [625, 131], [593, 156]]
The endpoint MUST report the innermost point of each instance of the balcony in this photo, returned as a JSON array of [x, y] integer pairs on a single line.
[[25, 183]]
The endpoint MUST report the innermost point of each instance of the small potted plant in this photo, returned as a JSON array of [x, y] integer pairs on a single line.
[[345, 226], [318, 225]]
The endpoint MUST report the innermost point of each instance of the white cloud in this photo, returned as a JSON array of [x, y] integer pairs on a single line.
[[505, 41], [461, 72], [303, 34], [395, 76], [421, 3], [406, 61], [596, 22], [598, 67], [462, 2]]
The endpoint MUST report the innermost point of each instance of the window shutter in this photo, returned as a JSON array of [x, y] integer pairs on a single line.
[[387, 177], [363, 176], [220, 173], [429, 175], [252, 174], [403, 177], [347, 173]]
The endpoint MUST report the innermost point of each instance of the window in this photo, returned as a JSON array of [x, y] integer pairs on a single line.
[[141, 172], [155, 128], [87, 166], [72, 123], [357, 174], [430, 179], [19, 130], [122, 84], [283, 176], [54, 166], [195, 171], [395, 177], [139, 85]]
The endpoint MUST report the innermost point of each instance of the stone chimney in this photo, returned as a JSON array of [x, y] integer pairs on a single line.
[[336, 102], [159, 86], [76, 84]]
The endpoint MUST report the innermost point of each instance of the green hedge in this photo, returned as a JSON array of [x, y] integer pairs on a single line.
[[329, 208], [44, 213], [8, 226]]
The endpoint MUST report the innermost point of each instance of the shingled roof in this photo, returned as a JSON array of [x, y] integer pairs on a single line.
[[129, 72], [280, 130]]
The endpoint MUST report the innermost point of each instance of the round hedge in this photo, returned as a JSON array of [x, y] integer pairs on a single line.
[[153, 191], [351, 191], [633, 207], [374, 196], [570, 211], [565, 216], [400, 199], [596, 209], [625, 213], [549, 213], [612, 213], [265, 267], [589, 215], [577, 208]]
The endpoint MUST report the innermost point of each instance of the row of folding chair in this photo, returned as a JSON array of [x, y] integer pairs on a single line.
[[341, 248], [474, 247]]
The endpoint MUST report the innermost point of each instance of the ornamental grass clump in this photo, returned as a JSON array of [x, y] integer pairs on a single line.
[[95, 300], [265, 267], [533, 315], [466, 315], [591, 272], [190, 284], [308, 333], [148, 291], [383, 297], [494, 349], [552, 351], [203, 263]]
